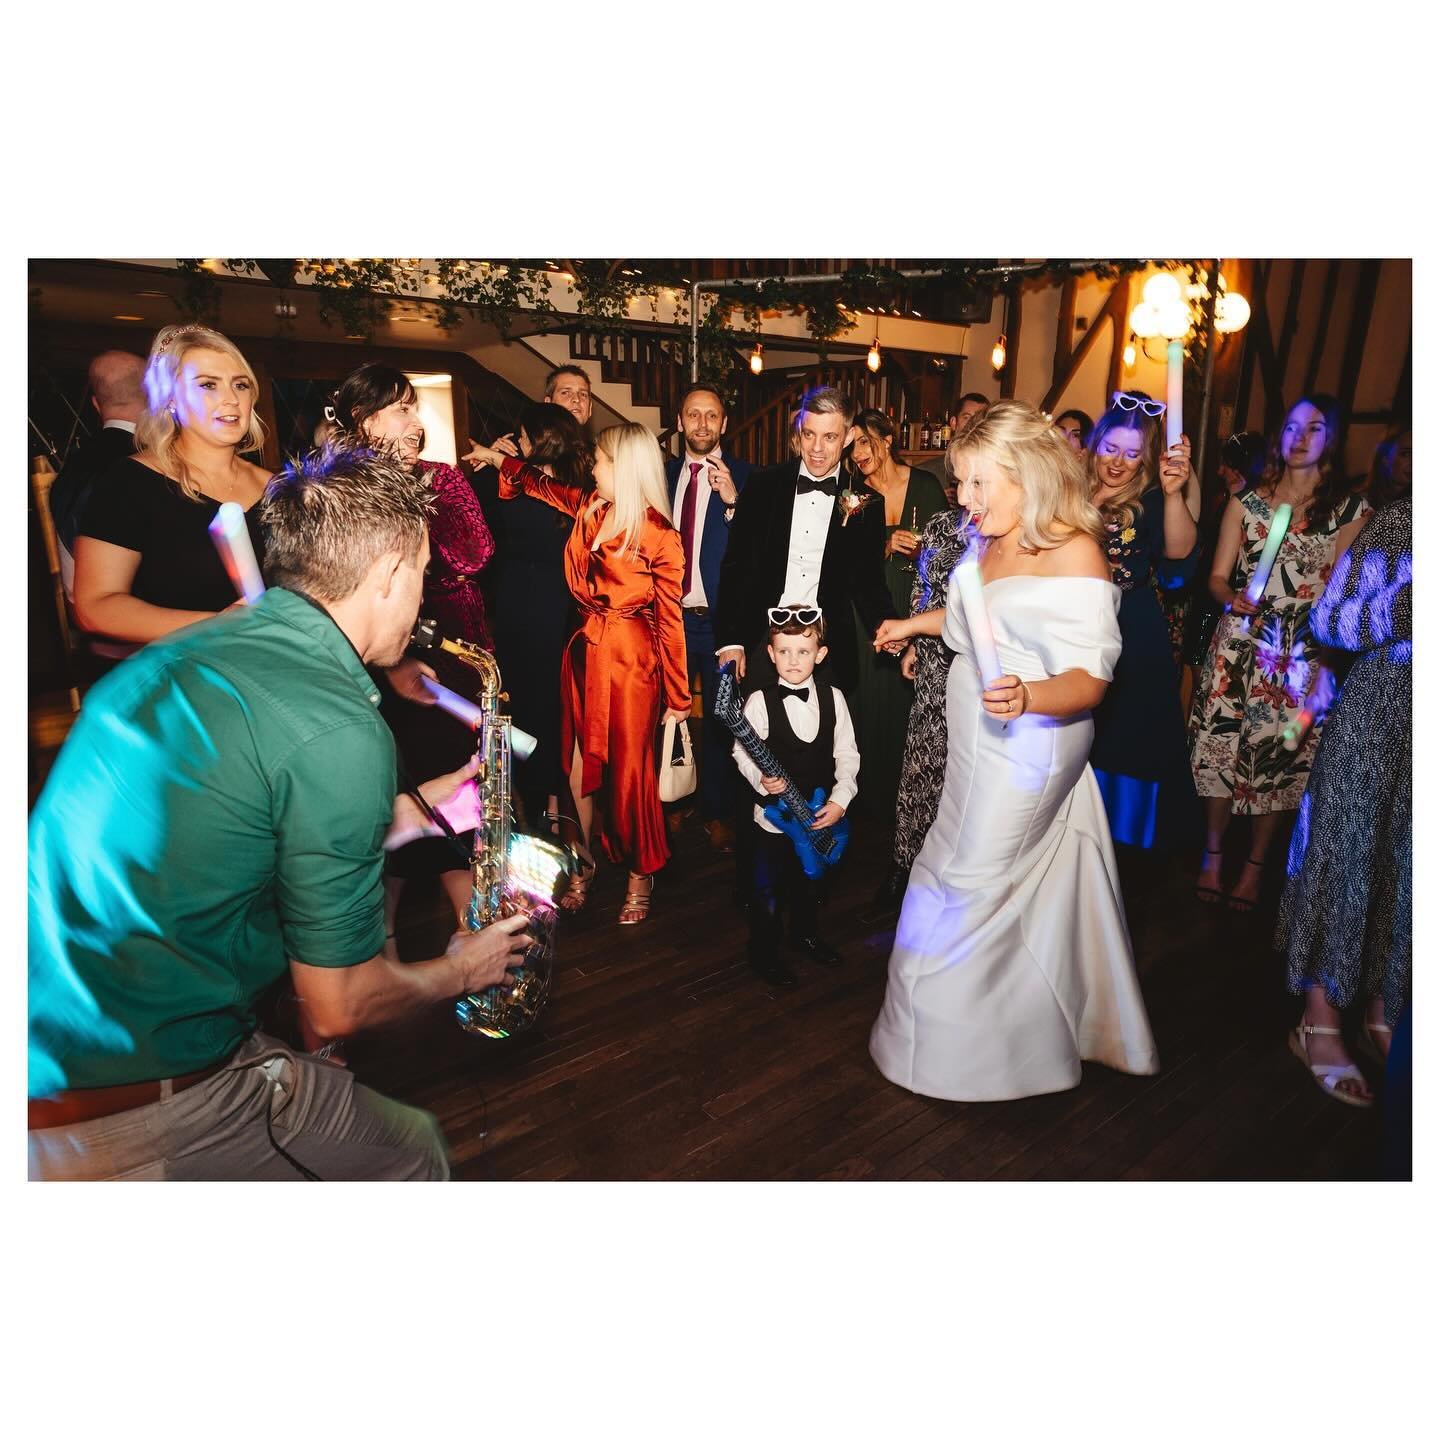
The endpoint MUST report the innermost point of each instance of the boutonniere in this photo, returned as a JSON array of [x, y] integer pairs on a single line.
[[852, 502], [1127, 534]]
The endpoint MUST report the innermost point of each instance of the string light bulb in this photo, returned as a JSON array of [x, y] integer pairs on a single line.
[[873, 358], [997, 355], [1129, 356], [757, 359]]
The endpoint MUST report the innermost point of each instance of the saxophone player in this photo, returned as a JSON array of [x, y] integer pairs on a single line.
[[221, 810]]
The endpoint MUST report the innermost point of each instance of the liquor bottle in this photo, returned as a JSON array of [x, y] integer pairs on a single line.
[[944, 434], [925, 431]]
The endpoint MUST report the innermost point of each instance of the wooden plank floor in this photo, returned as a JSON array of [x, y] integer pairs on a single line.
[[661, 1057]]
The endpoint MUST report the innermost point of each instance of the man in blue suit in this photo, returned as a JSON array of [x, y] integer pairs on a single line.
[[704, 487]]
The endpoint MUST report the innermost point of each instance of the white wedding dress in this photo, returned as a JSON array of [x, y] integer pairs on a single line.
[[1012, 961]]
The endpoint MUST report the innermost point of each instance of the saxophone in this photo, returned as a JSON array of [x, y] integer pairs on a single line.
[[509, 873]]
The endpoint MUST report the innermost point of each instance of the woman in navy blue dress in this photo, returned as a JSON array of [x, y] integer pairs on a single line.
[[1139, 756]]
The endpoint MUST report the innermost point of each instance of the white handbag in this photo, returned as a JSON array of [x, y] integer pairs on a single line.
[[677, 761]]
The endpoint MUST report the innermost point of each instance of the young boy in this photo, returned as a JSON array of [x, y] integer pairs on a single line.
[[806, 725]]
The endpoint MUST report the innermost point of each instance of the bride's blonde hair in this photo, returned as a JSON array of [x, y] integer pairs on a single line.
[[639, 481], [1055, 500]]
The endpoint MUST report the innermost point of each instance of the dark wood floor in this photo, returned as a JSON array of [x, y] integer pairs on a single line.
[[660, 1056]]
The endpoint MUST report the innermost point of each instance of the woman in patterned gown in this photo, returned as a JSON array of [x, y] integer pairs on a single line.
[[1262, 658], [1345, 915], [927, 662]]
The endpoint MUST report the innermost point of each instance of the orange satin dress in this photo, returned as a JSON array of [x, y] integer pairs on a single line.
[[624, 664]]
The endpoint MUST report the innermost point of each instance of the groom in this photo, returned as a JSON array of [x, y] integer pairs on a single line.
[[788, 545]]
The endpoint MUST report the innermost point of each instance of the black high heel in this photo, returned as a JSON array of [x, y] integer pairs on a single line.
[[1238, 903], [1207, 894]]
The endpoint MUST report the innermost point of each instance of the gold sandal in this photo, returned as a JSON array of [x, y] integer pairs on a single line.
[[577, 890], [636, 906]]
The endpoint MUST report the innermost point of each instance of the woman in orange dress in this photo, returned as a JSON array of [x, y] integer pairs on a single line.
[[624, 669]]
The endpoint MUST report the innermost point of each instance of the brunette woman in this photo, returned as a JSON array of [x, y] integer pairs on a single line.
[[884, 695], [378, 403], [1139, 754], [1263, 658]]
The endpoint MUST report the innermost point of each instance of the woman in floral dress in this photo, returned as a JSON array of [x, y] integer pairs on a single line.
[[1262, 659]]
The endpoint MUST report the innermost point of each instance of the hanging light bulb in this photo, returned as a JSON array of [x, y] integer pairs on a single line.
[[1145, 320], [757, 359], [1129, 356], [873, 358], [997, 355], [1162, 290], [1232, 313]]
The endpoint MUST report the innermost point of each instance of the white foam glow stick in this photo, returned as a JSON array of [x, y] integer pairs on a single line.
[[977, 619], [1174, 392], [467, 712], [1279, 524], [232, 540]]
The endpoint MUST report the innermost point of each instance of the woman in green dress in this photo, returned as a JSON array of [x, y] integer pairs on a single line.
[[881, 708]]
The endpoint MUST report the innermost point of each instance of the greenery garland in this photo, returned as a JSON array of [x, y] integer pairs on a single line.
[[358, 295]]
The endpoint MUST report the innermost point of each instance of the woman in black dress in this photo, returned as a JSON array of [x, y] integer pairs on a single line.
[[1345, 915], [883, 696], [144, 560], [531, 608], [1139, 755]]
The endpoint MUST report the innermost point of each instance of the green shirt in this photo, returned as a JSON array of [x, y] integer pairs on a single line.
[[219, 806]]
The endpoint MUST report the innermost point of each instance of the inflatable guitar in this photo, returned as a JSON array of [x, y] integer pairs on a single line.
[[788, 812]]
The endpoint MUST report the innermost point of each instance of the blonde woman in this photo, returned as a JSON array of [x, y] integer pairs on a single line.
[[1012, 961], [624, 669], [144, 560]]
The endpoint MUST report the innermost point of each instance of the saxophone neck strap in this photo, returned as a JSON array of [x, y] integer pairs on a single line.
[[408, 787]]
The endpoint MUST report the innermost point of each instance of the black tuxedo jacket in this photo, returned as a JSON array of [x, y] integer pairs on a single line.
[[852, 571], [86, 464]]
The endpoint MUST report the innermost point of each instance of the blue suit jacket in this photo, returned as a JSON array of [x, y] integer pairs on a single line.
[[717, 528]]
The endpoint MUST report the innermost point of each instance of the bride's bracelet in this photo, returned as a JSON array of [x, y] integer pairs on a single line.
[[1029, 698]]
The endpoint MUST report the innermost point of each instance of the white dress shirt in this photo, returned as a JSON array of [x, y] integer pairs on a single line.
[[809, 528], [119, 425], [804, 718], [695, 595]]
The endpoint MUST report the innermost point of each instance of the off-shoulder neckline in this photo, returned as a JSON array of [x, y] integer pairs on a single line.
[[1000, 579]]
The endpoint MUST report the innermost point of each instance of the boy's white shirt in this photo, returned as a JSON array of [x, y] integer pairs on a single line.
[[804, 717]]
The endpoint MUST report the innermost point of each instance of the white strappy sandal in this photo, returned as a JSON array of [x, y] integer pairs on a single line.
[[1369, 1029], [1327, 1077]]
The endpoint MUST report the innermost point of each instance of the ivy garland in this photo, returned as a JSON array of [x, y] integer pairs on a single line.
[[358, 295]]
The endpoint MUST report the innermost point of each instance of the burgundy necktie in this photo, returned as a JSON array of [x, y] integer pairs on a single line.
[[687, 528]]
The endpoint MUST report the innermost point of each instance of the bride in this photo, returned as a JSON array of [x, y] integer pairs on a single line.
[[1012, 962]]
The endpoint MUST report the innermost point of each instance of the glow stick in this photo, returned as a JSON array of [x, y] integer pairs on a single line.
[[232, 540], [1317, 705], [1279, 524], [467, 712], [977, 619], [1174, 392]]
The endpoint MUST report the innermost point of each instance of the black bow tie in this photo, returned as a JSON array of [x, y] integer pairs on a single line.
[[803, 485], [803, 693]]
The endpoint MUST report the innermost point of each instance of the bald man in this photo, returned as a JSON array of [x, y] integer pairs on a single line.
[[118, 395]]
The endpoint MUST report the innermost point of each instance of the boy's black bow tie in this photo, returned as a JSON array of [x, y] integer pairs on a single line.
[[803, 693]]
